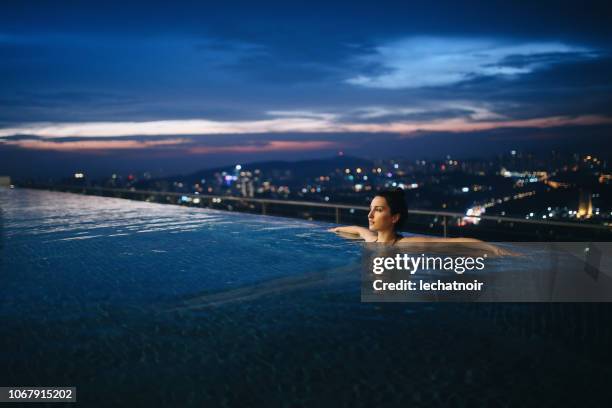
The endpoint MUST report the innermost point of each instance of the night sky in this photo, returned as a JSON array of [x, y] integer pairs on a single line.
[[172, 87]]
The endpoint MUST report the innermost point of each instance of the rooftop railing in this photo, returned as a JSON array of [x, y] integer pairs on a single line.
[[337, 212]]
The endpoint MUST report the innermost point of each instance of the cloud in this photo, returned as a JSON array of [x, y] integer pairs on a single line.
[[271, 146], [438, 61], [97, 145], [303, 114], [461, 125], [171, 127], [472, 118], [427, 111]]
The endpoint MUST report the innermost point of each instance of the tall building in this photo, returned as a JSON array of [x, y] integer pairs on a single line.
[[246, 187], [585, 206]]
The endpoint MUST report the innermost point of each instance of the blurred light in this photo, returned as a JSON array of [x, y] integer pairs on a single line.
[[465, 189], [79, 175], [238, 167], [472, 214]]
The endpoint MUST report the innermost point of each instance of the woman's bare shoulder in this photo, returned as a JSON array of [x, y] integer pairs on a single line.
[[370, 236]]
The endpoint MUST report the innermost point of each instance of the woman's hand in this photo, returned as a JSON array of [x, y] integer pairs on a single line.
[[496, 250]]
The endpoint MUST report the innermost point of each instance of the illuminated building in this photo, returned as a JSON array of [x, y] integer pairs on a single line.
[[585, 206]]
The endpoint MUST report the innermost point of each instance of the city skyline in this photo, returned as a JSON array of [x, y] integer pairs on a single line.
[[556, 186]]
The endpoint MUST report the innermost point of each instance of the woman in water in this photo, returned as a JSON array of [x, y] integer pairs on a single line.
[[387, 215]]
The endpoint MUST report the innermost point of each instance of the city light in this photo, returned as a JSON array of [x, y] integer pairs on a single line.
[[472, 215], [473, 185]]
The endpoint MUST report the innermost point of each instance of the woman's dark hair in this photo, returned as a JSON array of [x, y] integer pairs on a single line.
[[397, 203]]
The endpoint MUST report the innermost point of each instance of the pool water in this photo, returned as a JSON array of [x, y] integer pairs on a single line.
[[137, 303]]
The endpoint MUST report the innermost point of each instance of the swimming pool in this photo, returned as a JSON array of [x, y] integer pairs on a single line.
[[140, 303]]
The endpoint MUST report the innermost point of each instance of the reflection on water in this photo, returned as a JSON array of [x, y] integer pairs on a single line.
[[283, 285], [166, 305]]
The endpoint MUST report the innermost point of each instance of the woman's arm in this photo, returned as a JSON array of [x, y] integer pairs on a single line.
[[361, 232], [476, 243]]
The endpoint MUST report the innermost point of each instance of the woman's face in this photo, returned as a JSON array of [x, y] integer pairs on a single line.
[[379, 217]]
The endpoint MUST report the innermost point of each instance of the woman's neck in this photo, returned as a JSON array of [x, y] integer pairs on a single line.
[[386, 236]]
